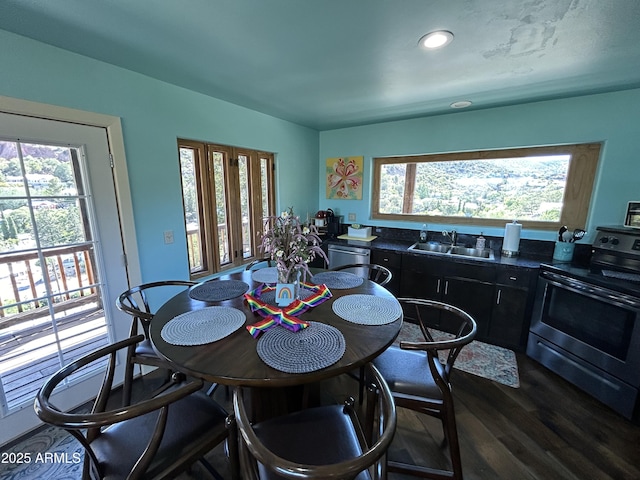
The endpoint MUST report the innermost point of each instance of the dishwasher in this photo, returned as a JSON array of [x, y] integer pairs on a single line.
[[346, 255]]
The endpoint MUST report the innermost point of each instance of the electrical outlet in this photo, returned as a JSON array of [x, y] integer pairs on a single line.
[[168, 236], [352, 217]]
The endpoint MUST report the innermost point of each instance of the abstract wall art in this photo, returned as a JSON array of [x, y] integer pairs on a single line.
[[344, 178]]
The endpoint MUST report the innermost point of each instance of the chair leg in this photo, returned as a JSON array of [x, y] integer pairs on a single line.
[[232, 447], [451, 437], [127, 385], [369, 412], [361, 381]]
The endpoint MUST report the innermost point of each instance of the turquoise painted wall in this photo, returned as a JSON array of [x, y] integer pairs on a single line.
[[612, 118], [154, 114]]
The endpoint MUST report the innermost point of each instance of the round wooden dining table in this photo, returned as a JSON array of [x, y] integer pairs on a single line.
[[234, 360]]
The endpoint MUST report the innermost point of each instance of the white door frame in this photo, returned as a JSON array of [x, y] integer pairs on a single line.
[[123, 197], [116, 145]]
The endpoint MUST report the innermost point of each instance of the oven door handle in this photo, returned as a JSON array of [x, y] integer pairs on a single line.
[[597, 293]]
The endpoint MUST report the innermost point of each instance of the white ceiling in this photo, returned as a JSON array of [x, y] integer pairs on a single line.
[[334, 63]]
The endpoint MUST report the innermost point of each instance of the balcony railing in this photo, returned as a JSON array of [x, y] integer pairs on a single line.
[[194, 245], [70, 278], [49, 315]]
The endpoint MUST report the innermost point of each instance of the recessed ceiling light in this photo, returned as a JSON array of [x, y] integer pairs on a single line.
[[461, 104], [436, 39]]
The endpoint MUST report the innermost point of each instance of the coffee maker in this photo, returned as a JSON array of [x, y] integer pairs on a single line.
[[333, 224]]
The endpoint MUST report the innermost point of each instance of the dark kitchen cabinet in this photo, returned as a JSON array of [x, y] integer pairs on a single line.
[[422, 278], [393, 261], [472, 296], [318, 261], [498, 297], [469, 287], [511, 311]]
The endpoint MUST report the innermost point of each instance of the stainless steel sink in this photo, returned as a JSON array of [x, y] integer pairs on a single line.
[[457, 251], [430, 247], [470, 252]]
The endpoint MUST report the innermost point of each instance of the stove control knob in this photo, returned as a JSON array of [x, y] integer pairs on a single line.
[[615, 241], [604, 239]]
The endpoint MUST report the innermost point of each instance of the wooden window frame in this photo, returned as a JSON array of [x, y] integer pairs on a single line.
[[577, 197], [206, 198]]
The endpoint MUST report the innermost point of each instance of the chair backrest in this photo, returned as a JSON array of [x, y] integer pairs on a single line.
[[372, 458], [259, 263], [372, 271], [88, 428], [461, 330], [136, 302]]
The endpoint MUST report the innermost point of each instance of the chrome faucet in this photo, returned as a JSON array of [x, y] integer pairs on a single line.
[[453, 236]]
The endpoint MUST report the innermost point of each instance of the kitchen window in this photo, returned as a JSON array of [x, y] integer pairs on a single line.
[[227, 192], [546, 187]]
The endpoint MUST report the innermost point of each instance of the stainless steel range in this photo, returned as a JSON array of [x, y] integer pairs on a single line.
[[586, 321]]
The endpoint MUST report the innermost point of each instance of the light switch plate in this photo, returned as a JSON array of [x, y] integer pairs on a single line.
[[352, 217], [168, 236]]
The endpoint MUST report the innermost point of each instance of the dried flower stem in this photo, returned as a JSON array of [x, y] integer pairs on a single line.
[[290, 243]]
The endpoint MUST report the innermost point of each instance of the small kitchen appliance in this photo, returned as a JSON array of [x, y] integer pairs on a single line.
[[632, 218], [333, 224], [320, 219]]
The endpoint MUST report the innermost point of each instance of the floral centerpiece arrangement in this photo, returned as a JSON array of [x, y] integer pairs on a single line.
[[291, 245]]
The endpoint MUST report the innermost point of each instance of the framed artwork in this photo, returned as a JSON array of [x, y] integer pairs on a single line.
[[344, 178]]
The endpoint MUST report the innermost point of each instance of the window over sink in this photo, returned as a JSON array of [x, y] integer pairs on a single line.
[[544, 186]]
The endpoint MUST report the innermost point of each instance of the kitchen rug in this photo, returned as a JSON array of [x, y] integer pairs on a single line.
[[478, 358], [52, 451]]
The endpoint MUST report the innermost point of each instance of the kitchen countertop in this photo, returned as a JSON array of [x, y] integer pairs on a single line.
[[401, 246]]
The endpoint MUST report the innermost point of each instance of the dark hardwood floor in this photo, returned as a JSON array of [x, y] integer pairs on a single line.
[[546, 429]]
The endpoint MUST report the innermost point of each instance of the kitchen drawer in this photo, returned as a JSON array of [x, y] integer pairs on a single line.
[[386, 258], [513, 277]]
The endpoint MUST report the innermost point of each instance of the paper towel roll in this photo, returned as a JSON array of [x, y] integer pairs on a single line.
[[511, 243]]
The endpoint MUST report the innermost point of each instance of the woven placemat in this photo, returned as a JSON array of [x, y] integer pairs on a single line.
[[312, 348], [265, 275], [338, 280], [206, 325], [218, 290], [367, 309]]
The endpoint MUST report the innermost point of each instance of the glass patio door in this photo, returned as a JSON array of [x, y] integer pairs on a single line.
[[60, 247]]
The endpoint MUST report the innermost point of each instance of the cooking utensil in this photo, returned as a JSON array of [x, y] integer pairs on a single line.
[[560, 232], [578, 233], [567, 236]]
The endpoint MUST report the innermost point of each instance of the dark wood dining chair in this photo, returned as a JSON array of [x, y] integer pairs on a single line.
[[372, 271], [259, 263], [325, 442], [136, 302], [421, 382], [378, 274], [157, 438]]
